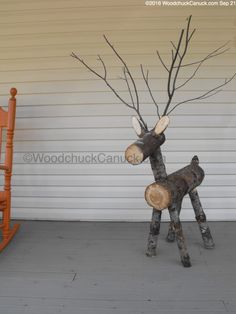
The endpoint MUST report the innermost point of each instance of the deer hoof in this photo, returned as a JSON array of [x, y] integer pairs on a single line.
[[186, 261], [209, 244], [170, 237], [151, 252]]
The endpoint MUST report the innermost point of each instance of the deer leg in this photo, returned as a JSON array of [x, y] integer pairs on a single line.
[[171, 231], [154, 232], [201, 220], [174, 215]]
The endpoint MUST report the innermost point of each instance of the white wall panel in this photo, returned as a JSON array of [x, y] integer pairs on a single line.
[[64, 109]]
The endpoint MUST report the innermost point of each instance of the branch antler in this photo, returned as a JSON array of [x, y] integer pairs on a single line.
[[146, 80], [178, 54], [207, 94], [177, 64], [130, 82]]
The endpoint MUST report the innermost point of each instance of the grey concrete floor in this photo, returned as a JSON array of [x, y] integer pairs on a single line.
[[101, 268]]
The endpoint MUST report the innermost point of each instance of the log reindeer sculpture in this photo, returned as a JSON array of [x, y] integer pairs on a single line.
[[167, 191]]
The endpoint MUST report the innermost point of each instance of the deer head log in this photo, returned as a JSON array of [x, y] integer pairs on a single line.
[[148, 141]]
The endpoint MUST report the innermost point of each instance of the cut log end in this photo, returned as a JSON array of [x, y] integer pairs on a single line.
[[158, 196], [134, 155]]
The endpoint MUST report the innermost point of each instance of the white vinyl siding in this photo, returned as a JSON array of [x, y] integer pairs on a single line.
[[62, 109]]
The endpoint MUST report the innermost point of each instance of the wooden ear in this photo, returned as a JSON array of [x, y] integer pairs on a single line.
[[161, 125], [138, 128]]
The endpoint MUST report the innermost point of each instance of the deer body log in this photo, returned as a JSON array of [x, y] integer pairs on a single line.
[[164, 193]]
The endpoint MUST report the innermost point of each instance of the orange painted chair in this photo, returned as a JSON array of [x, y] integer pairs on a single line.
[[7, 121]]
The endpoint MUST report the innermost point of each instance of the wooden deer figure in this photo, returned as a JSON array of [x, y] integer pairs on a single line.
[[168, 190]]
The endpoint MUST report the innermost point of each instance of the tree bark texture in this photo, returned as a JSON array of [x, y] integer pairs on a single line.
[[201, 220], [168, 191], [163, 194], [174, 216], [158, 165], [154, 233], [159, 172]]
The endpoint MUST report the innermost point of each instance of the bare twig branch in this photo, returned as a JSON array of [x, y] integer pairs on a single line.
[[208, 94], [127, 70], [178, 54], [212, 54], [190, 37], [101, 77], [149, 89], [179, 65], [162, 62], [187, 40], [104, 67], [191, 77], [172, 43], [128, 86], [169, 91], [172, 54], [213, 93]]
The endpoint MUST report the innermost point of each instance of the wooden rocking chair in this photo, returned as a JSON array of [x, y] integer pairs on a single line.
[[7, 120]]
